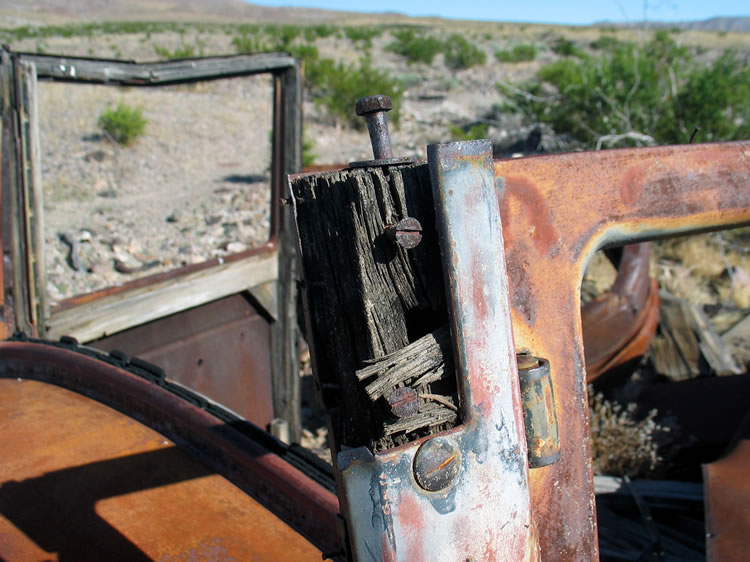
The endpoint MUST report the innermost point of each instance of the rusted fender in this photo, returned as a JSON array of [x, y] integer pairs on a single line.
[[99, 463], [618, 324]]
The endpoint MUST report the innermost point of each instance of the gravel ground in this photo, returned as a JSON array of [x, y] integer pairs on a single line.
[[194, 187]]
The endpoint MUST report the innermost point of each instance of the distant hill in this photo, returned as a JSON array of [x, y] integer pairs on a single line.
[[739, 24], [45, 11]]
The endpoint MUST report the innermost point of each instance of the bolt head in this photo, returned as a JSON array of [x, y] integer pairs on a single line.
[[373, 104], [437, 464]]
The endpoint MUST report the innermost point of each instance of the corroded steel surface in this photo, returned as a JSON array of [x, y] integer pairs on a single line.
[[727, 498], [100, 472], [556, 211], [221, 349], [81, 481], [463, 495], [618, 324]]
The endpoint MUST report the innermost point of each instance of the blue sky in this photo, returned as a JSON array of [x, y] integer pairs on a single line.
[[539, 11]]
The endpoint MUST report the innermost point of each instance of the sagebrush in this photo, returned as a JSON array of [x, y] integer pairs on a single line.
[[638, 94], [622, 445], [123, 124]]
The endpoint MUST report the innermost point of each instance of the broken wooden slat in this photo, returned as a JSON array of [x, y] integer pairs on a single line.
[[738, 340], [430, 415], [422, 361], [677, 328], [114, 313], [713, 348], [687, 336], [667, 359]]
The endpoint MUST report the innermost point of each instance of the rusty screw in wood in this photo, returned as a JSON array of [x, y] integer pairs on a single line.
[[437, 464], [373, 109], [407, 233], [404, 402]]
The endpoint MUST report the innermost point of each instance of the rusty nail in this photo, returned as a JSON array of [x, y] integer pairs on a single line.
[[407, 233], [404, 402], [436, 464], [373, 109]]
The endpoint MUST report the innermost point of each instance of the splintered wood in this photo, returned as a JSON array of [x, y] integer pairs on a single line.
[[688, 345], [376, 311]]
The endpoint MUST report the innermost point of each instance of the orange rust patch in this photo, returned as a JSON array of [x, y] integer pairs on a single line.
[[538, 214], [632, 183]]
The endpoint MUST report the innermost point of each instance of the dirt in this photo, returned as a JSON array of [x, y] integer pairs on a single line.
[[195, 186]]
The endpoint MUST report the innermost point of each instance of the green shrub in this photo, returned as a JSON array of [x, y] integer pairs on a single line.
[[184, 52], [337, 87], [460, 53], [519, 53], [282, 36], [415, 47], [123, 124], [716, 98], [363, 35], [605, 43], [317, 72], [567, 48], [313, 32], [308, 156], [633, 94], [306, 53], [473, 132], [248, 44]]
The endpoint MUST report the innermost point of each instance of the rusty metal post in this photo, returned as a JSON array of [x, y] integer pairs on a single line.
[[462, 494]]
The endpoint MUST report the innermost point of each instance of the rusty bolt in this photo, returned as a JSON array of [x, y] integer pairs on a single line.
[[373, 104], [437, 464], [404, 402], [407, 233], [373, 109]]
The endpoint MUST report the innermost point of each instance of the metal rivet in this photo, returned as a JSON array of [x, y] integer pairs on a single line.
[[437, 464]]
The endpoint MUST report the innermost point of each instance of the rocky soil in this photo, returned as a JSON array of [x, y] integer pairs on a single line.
[[195, 186]]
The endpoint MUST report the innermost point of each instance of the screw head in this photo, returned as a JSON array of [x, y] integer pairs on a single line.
[[373, 104], [437, 464], [404, 402], [407, 233]]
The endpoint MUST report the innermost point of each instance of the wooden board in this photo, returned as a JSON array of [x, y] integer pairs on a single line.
[[114, 313]]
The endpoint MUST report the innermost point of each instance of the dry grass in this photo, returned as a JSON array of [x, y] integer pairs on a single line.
[[621, 445]]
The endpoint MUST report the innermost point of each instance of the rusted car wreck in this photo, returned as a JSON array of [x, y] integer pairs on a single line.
[[442, 308]]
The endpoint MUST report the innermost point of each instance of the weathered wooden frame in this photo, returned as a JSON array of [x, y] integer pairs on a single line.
[[266, 272]]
